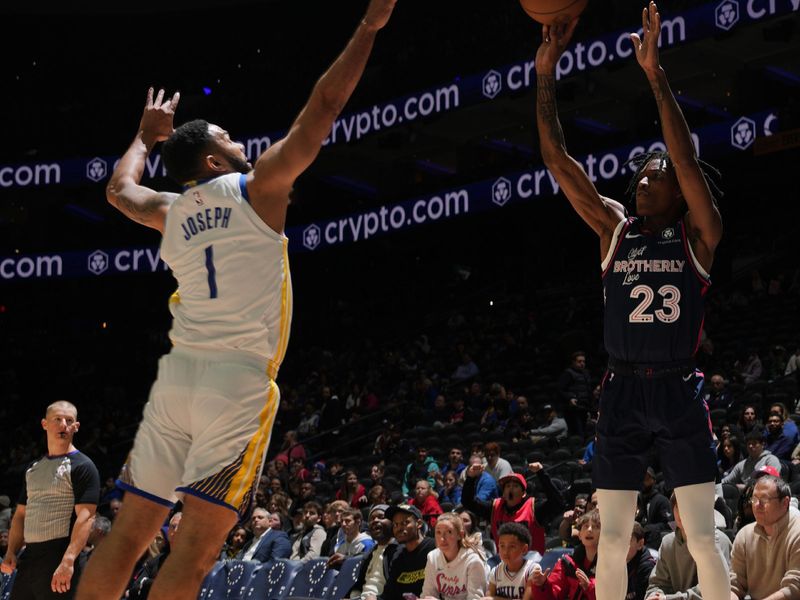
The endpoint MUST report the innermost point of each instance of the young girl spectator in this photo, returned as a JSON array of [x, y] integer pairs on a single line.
[[451, 490], [573, 577], [352, 491], [748, 420], [237, 538], [728, 454], [456, 570]]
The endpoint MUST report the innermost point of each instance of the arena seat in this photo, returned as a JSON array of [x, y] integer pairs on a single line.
[[6, 584], [551, 557], [237, 581], [214, 585], [271, 581], [348, 574], [313, 580]]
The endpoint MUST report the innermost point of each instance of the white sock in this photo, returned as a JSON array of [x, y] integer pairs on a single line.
[[617, 513], [696, 503]]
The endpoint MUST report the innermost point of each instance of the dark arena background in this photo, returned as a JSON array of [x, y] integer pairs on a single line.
[[432, 255]]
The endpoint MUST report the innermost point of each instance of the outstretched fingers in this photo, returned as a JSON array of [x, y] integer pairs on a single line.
[[148, 103]]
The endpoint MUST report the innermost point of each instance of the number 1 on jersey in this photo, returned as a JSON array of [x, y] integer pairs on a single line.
[[212, 272]]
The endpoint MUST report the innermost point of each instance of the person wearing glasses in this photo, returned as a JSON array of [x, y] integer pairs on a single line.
[[765, 561]]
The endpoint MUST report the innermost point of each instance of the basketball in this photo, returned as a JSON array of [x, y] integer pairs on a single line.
[[548, 12]]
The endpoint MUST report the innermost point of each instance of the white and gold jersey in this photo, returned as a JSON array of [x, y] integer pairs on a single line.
[[234, 287]]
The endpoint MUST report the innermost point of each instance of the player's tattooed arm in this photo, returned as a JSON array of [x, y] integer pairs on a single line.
[[704, 218], [124, 191], [600, 215]]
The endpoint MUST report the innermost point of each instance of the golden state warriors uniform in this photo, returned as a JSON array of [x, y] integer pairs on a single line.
[[654, 289], [208, 421]]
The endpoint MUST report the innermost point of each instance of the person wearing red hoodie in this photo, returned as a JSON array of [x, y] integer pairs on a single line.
[[572, 577], [426, 502]]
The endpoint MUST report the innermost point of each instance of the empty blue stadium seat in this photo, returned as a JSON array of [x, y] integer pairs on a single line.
[[348, 574], [271, 581], [6, 583], [213, 586], [313, 580], [228, 580]]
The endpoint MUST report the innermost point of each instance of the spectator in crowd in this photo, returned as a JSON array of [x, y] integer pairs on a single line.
[[309, 424], [292, 448], [55, 511], [3, 541], [426, 502], [466, 370], [572, 577], [510, 578], [757, 457], [515, 505], [793, 364], [675, 574], [789, 426], [729, 454], [654, 511], [469, 519], [441, 413], [355, 541], [450, 489], [520, 426], [422, 467], [100, 528], [307, 543], [377, 473], [640, 564], [751, 370], [407, 564], [748, 419], [279, 503], [332, 523], [776, 441], [553, 428], [307, 491], [5, 512], [267, 543], [588, 455], [456, 569], [461, 412], [765, 561], [371, 578], [455, 462], [114, 505], [143, 579], [377, 494], [352, 491], [575, 389], [238, 539], [717, 394], [486, 486], [567, 529], [496, 466]]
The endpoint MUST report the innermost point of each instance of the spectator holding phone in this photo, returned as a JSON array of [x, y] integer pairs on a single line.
[[573, 577]]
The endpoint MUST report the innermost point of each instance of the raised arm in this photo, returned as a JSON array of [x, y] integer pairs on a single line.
[[277, 168], [601, 214], [135, 201], [704, 221]]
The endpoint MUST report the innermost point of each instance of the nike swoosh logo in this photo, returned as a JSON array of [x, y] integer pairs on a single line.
[[688, 377], [630, 235]]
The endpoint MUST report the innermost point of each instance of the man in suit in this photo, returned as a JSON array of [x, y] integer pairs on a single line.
[[267, 543]]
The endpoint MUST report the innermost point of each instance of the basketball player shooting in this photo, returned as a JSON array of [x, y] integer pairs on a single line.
[[655, 273], [207, 424]]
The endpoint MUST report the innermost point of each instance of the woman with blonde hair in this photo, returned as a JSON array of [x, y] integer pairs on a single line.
[[456, 570]]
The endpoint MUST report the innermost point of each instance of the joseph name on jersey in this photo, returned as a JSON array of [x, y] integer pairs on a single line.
[[234, 286]]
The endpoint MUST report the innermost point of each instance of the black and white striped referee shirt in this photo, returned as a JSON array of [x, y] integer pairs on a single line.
[[53, 486]]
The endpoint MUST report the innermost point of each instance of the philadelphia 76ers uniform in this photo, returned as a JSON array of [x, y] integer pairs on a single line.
[[207, 424], [653, 288]]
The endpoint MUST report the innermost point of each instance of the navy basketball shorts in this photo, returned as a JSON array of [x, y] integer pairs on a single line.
[[641, 414]]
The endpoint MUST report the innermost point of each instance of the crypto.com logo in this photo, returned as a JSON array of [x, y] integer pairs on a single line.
[[743, 133], [492, 84], [726, 14], [501, 191], [96, 169], [312, 236], [98, 262]]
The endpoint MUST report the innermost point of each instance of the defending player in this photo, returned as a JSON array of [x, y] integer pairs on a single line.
[[655, 273], [207, 424]]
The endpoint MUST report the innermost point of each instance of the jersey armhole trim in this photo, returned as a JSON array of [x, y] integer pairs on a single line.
[[701, 273], [616, 240], [243, 187]]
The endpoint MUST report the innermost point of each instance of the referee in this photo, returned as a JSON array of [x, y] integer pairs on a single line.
[[54, 514]]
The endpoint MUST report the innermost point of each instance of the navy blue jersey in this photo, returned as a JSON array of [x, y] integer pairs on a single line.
[[653, 288]]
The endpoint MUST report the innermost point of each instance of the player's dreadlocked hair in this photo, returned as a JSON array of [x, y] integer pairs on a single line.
[[184, 148], [710, 173]]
